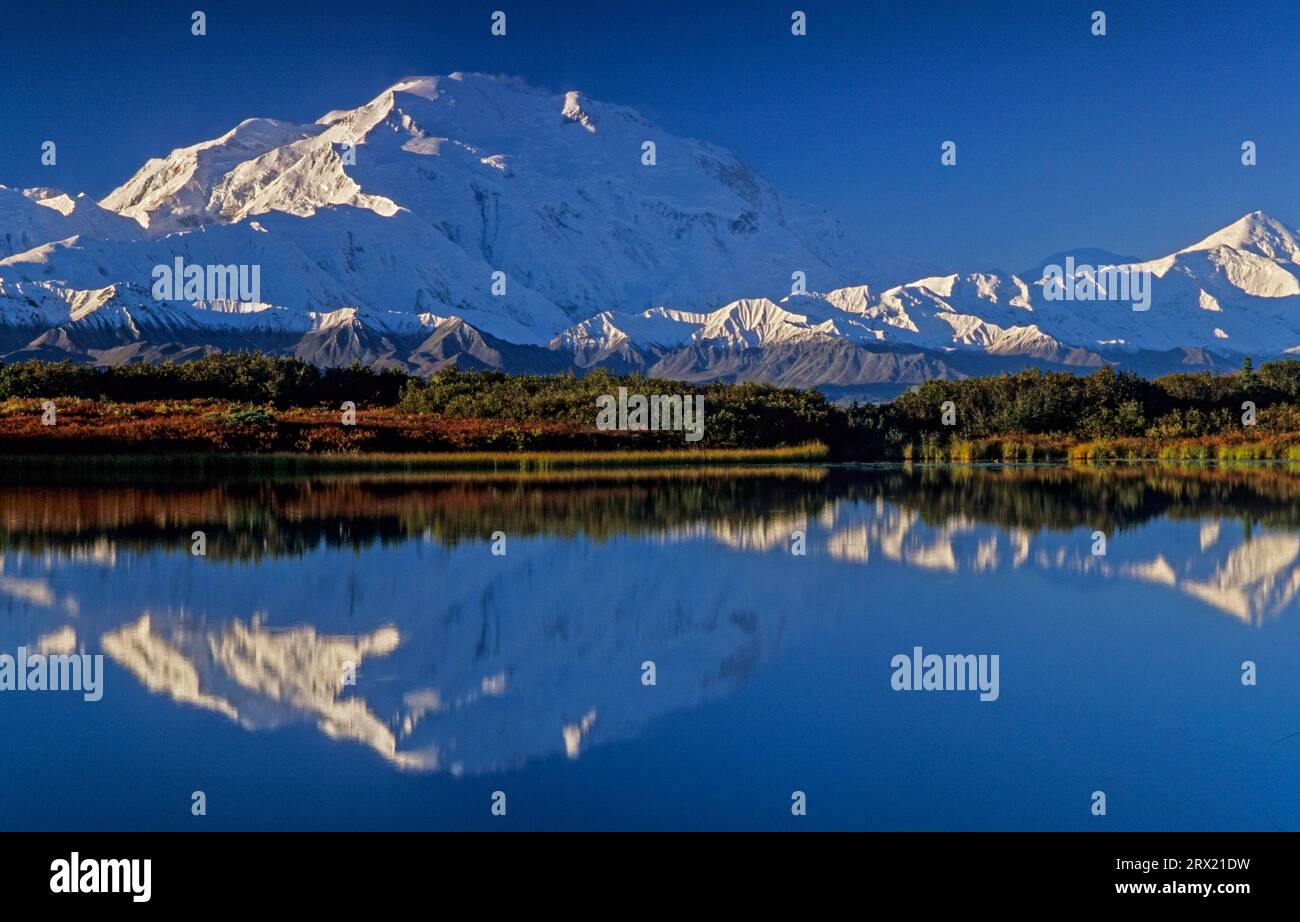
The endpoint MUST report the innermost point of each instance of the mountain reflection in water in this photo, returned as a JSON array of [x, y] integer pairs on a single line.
[[468, 663]]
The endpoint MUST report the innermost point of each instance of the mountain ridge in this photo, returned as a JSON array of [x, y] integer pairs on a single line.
[[473, 219]]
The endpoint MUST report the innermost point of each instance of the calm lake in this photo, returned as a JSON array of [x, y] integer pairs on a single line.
[[350, 653]]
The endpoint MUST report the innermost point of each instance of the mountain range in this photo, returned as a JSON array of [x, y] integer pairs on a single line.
[[474, 220]]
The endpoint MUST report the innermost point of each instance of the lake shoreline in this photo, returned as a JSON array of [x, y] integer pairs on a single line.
[[998, 452], [350, 462]]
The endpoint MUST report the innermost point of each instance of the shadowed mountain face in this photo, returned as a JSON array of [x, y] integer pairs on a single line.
[[475, 220], [469, 662]]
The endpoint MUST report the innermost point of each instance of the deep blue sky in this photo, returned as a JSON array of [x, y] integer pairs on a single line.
[[1129, 142]]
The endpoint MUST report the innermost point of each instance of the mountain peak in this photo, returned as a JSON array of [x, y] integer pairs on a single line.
[[1257, 233], [416, 200], [430, 86], [419, 86]]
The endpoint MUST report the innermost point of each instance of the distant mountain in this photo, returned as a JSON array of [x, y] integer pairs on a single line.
[[1236, 292], [1093, 256], [475, 220]]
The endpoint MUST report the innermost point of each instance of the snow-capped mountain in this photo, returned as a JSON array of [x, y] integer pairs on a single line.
[[1236, 292], [32, 217], [411, 202], [476, 220], [1252, 265]]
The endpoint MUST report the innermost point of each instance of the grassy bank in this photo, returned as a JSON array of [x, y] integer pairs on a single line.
[[1063, 448], [286, 463], [215, 436]]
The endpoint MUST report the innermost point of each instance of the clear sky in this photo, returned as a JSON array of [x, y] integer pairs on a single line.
[[1130, 141]]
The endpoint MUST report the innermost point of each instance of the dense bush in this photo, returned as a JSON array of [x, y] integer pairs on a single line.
[[736, 415], [1038, 408], [246, 377]]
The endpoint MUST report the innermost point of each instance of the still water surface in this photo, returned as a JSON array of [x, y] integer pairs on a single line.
[[522, 673]]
